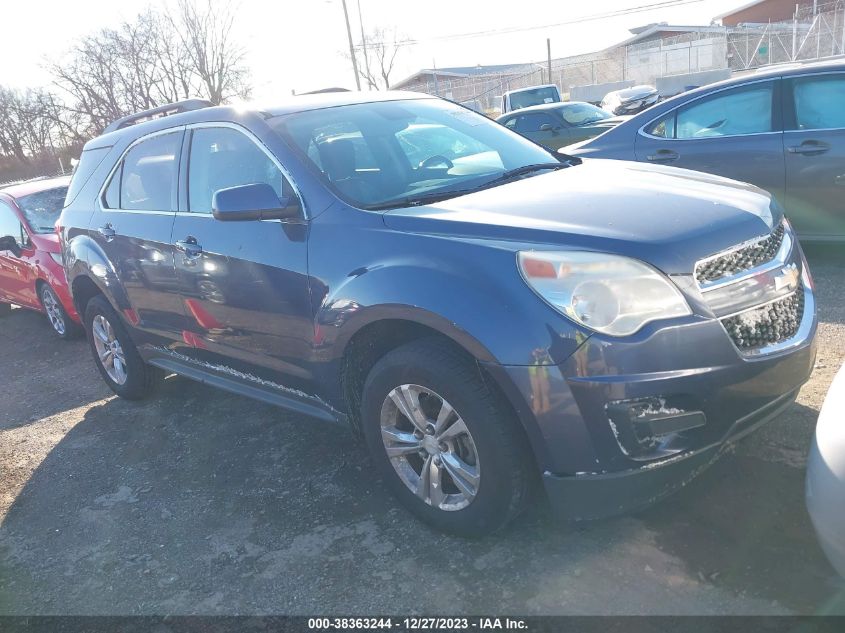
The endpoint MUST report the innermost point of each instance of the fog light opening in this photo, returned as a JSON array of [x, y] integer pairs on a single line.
[[648, 428]]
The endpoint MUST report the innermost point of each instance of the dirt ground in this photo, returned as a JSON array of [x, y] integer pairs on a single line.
[[204, 502]]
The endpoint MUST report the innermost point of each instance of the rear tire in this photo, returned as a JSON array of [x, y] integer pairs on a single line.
[[115, 355], [64, 327], [471, 471]]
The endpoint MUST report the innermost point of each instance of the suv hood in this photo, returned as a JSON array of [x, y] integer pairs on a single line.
[[665, 216]]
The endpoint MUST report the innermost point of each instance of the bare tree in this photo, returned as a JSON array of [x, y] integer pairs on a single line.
[[205, 33], [155, 59], [382, 47], [29, 123]]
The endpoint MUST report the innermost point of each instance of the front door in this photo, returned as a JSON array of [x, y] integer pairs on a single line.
[[814, 145], [244, 284], [132, 226], [734, 133], [543, 128], [15, 274]]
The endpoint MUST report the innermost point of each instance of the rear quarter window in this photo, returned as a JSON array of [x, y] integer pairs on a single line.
[[88, 163]]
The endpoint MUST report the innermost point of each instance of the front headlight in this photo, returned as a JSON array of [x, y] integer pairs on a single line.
[[607, 293]]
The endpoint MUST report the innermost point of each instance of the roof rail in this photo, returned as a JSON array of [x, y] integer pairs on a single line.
[[154, 113]]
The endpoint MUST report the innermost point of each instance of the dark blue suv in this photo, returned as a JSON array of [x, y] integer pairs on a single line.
[[483, 313]]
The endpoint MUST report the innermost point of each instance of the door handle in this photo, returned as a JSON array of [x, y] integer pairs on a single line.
[[663, 156], [809, 148], [107, 231], [189, 247]]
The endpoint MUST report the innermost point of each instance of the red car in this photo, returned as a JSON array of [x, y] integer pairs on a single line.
[[31, 272]]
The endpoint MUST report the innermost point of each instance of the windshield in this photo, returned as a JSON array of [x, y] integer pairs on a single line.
[[375, 154], [42, 209], [583, 113], [533, 96]]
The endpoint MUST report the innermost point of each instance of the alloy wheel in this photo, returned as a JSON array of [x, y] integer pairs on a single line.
[[53, 310], [108, 349], [430, 447]]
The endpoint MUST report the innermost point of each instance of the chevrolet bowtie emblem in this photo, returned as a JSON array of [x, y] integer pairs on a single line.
[[787, 278]]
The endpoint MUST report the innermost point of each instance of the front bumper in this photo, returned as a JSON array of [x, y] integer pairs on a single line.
[[587, 496], [591, 470]]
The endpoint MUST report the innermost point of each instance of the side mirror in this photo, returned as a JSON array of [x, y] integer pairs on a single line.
[[9, 243], [257, 201]]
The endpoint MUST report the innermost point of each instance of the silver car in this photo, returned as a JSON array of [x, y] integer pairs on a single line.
[[826, 475]]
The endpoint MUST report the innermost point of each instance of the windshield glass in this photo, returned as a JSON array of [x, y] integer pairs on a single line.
[[42, 209], [534, 96], [375, 153], [583, 113]]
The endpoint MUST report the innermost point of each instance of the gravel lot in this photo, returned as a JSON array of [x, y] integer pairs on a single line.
[[204, 502]]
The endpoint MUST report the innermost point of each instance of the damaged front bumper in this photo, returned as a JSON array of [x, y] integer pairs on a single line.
[[610, 434], [588, 496]]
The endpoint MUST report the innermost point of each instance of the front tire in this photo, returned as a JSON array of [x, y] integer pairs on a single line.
[[443, 440], [115, 354], [58, 317]]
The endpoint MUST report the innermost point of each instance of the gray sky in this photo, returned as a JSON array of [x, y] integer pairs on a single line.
[[298, 44]]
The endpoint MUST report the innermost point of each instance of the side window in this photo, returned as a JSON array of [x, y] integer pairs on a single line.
[[148, 176], [10, 225], [112, 197], [663, 128], [532, 122], [818, 102], [510, 123], [222, 157], [85, 168], [746, 110]]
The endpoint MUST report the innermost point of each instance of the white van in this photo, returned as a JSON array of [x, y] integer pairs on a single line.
[[531, 96]]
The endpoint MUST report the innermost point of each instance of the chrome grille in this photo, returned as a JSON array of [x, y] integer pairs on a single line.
[[768, 324], [740, 259]]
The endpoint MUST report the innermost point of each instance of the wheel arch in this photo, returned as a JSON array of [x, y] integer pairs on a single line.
[[83, 289], [89, 273], [372, 341]]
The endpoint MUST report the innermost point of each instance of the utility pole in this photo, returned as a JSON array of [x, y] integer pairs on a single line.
[[549, 58], [351, 46], [364, 46]]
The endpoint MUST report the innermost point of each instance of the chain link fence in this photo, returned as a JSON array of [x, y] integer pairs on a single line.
[[810, 36]]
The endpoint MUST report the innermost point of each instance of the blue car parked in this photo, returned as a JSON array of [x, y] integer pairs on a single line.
[[483, 314], [782, 129]]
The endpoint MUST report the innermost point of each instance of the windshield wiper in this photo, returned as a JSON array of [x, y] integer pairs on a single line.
[[520, 171], [415, 201], [437, 196]]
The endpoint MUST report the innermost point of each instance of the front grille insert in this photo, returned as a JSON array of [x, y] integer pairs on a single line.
[[767, 325], [740, 259]]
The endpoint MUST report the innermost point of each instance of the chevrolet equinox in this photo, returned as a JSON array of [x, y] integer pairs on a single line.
[[483, 313]]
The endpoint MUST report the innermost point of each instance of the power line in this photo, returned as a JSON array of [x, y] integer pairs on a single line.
[[663, 4]]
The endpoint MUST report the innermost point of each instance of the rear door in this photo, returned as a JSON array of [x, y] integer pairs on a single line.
[[132, 226], [734, 132], [244, 284], [815, 154]]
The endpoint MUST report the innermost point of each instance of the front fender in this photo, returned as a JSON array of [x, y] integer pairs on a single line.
[[497, 320], [502, 328]]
